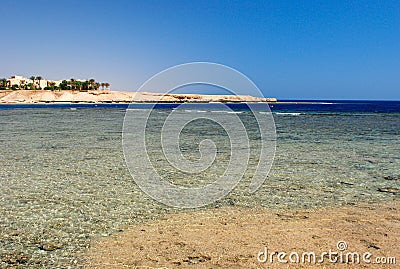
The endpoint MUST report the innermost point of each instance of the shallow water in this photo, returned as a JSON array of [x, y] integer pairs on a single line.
[[64, 178]]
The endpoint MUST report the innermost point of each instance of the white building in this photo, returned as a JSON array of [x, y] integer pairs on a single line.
[[21, 81], [18, 80]]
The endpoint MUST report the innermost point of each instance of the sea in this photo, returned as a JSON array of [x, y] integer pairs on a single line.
[[65, 180]]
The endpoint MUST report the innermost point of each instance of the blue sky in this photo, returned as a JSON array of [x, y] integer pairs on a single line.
[[290, 49]]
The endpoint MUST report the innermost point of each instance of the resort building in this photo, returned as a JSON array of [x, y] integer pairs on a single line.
[[21, 81], [39, 83]]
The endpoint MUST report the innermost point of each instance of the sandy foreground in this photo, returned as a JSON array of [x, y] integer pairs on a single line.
[[233, 237], [100, 96]]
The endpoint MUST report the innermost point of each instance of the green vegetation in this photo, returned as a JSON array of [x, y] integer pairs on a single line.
[[39, 78], [3, 84], [33, 79], [72, 84]]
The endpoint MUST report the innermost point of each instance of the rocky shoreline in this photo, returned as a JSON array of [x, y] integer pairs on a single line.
[[99, 96]]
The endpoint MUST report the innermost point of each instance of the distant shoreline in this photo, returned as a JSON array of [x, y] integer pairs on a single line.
[[113, 97]]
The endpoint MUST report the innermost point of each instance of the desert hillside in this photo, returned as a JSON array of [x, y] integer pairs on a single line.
[[96, 96]]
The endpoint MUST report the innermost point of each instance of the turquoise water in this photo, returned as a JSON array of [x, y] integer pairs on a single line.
[[64, 178]]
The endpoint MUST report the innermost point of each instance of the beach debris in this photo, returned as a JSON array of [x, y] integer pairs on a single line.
[[389, 190]]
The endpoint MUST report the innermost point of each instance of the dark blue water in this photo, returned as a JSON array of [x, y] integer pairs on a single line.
[[339, 106], [317, 106]]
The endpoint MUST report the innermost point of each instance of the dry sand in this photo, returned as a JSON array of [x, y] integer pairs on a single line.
[[232, 237], [99, 96]]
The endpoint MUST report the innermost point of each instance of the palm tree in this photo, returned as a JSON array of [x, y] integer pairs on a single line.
[[91, 83], [107, 85], [39, 78], [64, 85], [97, 85], [78, 85], [33, 81], [85, 85], [3, 83], [71, 82], [102, 85]]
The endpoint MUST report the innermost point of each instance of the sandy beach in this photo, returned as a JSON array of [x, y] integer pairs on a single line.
[[233, 237], [106, 96]]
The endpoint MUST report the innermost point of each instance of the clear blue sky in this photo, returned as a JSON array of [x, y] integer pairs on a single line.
[[290, 49]]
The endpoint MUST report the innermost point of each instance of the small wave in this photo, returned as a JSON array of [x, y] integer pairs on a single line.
[[73, 108], [265, 112], [288, 113], [201, 111], [224, 111]]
